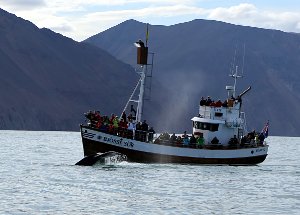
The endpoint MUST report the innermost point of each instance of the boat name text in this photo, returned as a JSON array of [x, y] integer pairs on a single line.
[[119, 142], [259, 150]]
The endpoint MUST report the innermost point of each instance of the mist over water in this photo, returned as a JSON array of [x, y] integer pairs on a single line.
[[176, 116], [38, 176]]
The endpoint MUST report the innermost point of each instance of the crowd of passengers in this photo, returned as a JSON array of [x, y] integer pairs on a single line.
[[252, 139], [125, 126], [180, 140], [219, 103]]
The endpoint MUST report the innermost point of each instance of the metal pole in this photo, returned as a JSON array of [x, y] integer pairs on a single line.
[[141, 94]]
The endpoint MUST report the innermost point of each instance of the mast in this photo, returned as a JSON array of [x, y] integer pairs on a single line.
[[139, 110], [235, 76], [232, 94], [142, 60]]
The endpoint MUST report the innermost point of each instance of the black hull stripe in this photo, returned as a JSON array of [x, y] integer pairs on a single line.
[[91, 147]]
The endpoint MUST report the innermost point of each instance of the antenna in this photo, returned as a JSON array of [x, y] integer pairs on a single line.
[[234, 72], [244, 59], [235, 76], [233, 64]]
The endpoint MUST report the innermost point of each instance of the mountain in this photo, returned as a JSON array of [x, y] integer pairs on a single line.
[[194, 59], [48, 81]]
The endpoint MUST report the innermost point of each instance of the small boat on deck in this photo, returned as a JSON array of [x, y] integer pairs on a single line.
[[219, 132]]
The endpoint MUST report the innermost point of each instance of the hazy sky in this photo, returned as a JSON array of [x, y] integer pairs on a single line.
[[80, 19]]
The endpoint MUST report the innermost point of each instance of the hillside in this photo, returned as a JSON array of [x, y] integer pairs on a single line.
[[48, 81], [193, 59]]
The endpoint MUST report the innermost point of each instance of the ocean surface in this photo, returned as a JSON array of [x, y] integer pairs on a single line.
[[38, 176]]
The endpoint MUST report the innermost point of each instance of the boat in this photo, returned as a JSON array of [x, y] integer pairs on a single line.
[[219, 135]]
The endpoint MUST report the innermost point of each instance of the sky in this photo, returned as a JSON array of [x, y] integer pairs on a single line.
[[80, 19]]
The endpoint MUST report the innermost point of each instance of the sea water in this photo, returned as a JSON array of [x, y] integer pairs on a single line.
[[38, 176]]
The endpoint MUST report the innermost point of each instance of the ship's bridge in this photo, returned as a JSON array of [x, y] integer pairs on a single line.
[[220, 122], [220, 113]]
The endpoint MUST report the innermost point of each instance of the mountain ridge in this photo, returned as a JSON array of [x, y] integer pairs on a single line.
[[49, 81]]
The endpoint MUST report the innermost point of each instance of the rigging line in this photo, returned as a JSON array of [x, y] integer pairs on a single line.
[[244, 59], [234, 60]]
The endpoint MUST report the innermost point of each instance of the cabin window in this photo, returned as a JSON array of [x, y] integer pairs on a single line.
[[206, 126], [218, 114], [214, 127]]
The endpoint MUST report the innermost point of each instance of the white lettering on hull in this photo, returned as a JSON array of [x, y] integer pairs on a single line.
[[118, 142]]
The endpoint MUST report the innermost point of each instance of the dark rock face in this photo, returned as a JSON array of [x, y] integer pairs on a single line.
[[193, 59], [48, 81]]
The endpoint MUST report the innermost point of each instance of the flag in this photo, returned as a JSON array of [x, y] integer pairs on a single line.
[[265, 130]]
